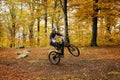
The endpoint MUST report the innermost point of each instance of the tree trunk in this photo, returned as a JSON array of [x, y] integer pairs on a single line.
[[45, 6], [64, 7], [31, 38], [1, 33], [31, 24], [94, 32], [13, 35], [46, 22], [13, 28], [66, 21], [38, 32], [24, 37], [94, 25]]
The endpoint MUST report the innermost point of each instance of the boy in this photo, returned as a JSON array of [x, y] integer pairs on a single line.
[[53, 42]]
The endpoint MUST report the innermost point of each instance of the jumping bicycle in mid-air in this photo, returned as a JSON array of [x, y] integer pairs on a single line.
[[55, 57]]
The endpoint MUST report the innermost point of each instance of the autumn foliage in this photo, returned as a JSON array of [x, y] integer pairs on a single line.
[[28, 23]]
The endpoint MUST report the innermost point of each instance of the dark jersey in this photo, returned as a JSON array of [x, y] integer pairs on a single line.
[[53, 35]]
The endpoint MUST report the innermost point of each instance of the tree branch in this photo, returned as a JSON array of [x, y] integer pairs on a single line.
[[62, 5]]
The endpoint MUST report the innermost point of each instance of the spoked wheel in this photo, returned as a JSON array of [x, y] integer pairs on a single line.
[[74, 50], [54, 57]]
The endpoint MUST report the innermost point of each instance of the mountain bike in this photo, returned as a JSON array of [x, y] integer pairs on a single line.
[[54, 57]]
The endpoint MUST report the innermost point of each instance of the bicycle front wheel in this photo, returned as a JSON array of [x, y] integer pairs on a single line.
[[74, 50], [54, 57]]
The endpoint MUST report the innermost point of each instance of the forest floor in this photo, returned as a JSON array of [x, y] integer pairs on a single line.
[[97, 63]]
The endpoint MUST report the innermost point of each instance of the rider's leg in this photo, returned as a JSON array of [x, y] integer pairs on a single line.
[[57, 46], [60, 49]]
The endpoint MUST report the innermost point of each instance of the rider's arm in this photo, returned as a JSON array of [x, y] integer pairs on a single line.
[[52, 38], [59, 34]]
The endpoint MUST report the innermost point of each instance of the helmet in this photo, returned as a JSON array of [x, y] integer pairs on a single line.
[[54, 29]]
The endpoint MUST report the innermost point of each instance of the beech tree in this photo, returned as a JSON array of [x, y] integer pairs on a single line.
[[33, 20], [64, 8], [95, 22]]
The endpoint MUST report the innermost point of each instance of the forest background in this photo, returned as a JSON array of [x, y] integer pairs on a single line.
[[28, 23]]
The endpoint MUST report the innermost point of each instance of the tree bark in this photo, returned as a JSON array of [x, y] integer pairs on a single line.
[[13, 27], [66, 21], [31, 38], [45, 6], [94, 32], [38, 32], [94, 25], [64, 7]]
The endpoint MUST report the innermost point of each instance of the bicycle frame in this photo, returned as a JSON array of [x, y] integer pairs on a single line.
[[54, 57], [63, 45], [62, 49]]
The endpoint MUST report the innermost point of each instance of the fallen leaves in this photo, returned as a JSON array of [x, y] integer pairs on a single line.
[[92, 64]]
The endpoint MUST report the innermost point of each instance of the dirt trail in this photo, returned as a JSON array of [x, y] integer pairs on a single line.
[[102, 63]]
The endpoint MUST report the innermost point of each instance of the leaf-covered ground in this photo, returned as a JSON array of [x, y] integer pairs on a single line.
[[98, 63]]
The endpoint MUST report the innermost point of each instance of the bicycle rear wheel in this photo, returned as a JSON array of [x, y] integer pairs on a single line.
[[54, 57], [74, 50]]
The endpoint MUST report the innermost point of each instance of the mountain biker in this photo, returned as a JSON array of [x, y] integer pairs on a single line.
[[53, 41]]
